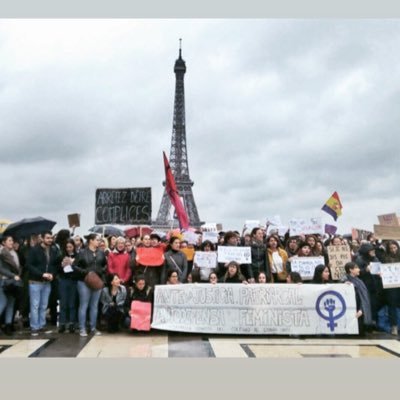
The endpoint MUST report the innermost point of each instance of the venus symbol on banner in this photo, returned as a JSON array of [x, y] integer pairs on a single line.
[[330, 306]]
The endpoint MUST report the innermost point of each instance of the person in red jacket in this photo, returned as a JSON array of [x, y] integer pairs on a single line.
[[119, 262]]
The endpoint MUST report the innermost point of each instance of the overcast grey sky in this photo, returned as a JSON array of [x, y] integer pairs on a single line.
[[279, 115]]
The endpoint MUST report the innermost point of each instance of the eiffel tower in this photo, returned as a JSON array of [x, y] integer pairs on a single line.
[[178, 158]]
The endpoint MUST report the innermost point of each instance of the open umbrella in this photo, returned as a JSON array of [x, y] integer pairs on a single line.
[[29, 226], [138, 231], [107, 230]]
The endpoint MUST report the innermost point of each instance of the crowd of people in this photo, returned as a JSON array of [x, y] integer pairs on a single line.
[[89, 285]]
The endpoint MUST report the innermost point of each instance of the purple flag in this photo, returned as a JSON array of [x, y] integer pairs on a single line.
[[330, 229]]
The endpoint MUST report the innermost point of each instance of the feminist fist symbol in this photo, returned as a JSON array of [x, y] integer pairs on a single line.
[[329, 305]]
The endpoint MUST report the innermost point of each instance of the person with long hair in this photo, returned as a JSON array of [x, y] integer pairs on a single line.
[[9, 269], [373, 282], [67, 287], [277, 259], [206, 246], [294, 277], [113, 300], [292, 247], [141, 266], [258, 255], [322, 274], [175, 260], [262, 277], [392, 295], [363, 303], [89, 259], [233, 274]]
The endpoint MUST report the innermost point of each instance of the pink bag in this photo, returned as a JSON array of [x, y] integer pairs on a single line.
[[140, 315]]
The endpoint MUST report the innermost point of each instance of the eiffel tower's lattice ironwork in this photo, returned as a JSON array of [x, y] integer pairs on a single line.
[[178, 158]]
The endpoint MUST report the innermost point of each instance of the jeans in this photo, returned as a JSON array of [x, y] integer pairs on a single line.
[[88, 298], [39, 298], [7, 303], [68, 295]]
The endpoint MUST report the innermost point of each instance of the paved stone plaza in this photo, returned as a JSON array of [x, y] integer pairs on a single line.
[[160, 344]]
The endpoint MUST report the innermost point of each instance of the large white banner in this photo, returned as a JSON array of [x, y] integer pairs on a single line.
[[205, 259], [305, 266], [256, 309], [242, 255], [390, 274], [303, 226]]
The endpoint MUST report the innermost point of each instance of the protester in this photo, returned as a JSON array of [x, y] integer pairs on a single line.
[[67, 287], [312, 241], [119, 262], [172, 277], [79, 245], [149, 260], [60, 240], [277, 259], [42, 264], [213, 278], [206, 246], [130, 249], [10, 269], [90, 259], [294, 277], [258, 255], [372, 282], [113, 300], [392, 295], [231, 239], [363, 303], [233, 274], [304, 250], [141, 291], [262, 277], [112, 242], [175, 260], [194, 276], [322, 274], [292, 247]]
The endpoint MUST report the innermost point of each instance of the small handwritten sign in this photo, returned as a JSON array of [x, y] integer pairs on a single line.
[[305, 266]]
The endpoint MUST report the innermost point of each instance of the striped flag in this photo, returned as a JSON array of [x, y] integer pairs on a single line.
[[333, 206]]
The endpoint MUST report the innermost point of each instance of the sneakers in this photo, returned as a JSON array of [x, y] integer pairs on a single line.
[[83, 333], [34, 332], [394, 331], [95, 332], [61, 329], [71, 328]]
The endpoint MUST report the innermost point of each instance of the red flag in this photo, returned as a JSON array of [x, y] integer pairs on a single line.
[[170, 187]]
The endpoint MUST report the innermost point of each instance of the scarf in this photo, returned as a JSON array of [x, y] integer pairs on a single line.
[[362, 291]]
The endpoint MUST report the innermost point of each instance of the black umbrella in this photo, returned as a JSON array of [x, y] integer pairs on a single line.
[[29, 226], [107, 230]]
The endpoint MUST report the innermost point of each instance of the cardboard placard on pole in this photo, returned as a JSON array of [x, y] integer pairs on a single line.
[[388, 219], [387, 232], [74, 220]]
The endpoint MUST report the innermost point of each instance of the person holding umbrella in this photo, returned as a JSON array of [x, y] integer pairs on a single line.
[[42, 263]]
